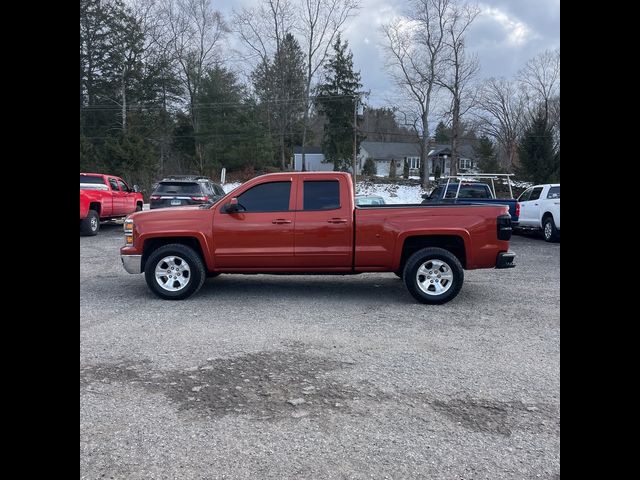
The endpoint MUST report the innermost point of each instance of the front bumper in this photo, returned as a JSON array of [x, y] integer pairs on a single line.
[[132, 263], [505, 260]]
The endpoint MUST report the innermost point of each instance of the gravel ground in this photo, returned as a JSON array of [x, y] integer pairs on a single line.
[[320, 376]]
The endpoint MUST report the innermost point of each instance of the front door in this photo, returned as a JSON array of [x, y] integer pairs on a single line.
[[260, 236], [529, 207]]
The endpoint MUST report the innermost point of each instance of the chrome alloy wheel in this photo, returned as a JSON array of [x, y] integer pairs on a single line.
[[173, 273], [434, 277]]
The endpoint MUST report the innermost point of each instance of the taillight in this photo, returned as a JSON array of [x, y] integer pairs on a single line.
[[154, 197], [199, 199], [504, 227], [517, 209]]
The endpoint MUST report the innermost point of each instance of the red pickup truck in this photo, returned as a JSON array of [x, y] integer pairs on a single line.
[[308, 223], [105, 197]]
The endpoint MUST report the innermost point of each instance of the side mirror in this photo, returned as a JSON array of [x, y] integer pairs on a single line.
[[136, 188], [233, 206]]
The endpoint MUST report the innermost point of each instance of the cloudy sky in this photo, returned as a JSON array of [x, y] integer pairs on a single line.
[[505, 35]]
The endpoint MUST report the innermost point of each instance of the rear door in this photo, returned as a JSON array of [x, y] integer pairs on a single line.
[[324, 227], [261, 236]]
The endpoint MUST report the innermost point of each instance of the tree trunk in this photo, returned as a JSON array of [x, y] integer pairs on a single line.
[[455, 133], [424, 150], [124, 105]]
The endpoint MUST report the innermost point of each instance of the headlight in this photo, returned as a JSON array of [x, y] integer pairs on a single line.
[[128, 232]]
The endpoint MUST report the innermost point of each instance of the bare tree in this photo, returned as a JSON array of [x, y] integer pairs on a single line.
[[541, 78], [502, 116], [195, 31], [318, 22], [414, 47], [460, 69]]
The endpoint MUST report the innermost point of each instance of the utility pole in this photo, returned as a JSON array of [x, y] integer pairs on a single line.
[[355, 137]]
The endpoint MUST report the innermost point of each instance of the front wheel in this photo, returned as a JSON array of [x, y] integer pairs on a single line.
[[174, 272], [549, 230], [433, 275]]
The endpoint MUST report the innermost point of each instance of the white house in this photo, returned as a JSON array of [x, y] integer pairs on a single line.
[[314, 159]]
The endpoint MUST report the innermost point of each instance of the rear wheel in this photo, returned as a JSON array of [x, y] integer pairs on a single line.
[[138, 207], [549, 230], [91, 224], [433, 275], [174, 272]]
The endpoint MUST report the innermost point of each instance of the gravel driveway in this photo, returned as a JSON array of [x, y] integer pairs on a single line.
[[320, 377]]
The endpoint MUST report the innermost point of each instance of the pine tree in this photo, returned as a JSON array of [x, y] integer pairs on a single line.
[[393, 169], [443, 134], [336, 99], [487, 158], [369, 167], [539, 162]]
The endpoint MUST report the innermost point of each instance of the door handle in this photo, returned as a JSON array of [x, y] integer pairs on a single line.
[[337, 220], [280, 221]]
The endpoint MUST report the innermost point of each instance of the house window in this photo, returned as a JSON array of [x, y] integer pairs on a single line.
[[465, 163], [414, 162]]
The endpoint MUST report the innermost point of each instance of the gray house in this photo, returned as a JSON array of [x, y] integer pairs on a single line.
[[440, 158], [383, 152]]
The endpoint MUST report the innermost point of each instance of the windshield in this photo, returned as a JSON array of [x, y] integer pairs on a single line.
[[178, 188]]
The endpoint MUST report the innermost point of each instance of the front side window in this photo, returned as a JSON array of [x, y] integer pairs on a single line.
[[123, 186], [267, 197], [525, 195], [535, 193], [321, 195]]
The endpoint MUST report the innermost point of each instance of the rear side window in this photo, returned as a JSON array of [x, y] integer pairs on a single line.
[[114, 184], [91, 179], [267, 197], [321, 195], [178, 188], [535, 193], [474, 191], [218, 189], [554, 192]]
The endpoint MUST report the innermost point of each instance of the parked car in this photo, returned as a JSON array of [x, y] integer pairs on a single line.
[[185, 190], [306, 223], [540, 210], [475, 192], [105, 197], [369, 200]]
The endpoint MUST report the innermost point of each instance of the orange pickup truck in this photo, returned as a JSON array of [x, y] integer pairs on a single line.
[[307, 223]]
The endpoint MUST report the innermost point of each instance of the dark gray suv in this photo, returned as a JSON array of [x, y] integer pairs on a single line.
[[185, 190]]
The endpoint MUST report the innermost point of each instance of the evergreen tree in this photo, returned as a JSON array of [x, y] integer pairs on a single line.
[[393, 169], [443, 133], [539, 162], [486, 155], [369, 167], [336, 99], [405, 169], [280, 88]]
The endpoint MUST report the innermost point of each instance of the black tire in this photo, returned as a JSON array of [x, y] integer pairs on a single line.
[[90, 225], [213, 274], [549, 230], [399, 273], [194, 264], [446, 265], [138, 207]]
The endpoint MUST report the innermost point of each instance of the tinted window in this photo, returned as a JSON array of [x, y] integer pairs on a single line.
[[91, 179], [554, 192], [267, 197], [535, 193], [123, 186], [474, 191], [322, 195], [178, 188], [219, 190], [525, 195], [114, 184]]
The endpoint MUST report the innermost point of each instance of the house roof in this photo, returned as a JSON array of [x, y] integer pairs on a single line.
[[308, 149], [464, 150], [390, 150]]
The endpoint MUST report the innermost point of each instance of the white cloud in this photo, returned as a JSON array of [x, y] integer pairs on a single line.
[[517, 32]]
